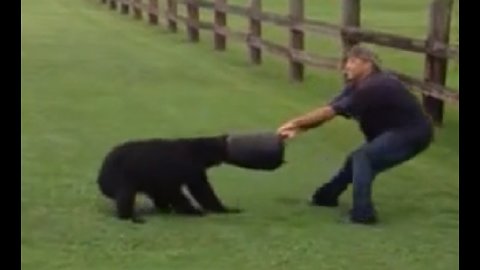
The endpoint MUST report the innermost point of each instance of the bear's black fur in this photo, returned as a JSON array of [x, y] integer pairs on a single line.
[[160, 168]]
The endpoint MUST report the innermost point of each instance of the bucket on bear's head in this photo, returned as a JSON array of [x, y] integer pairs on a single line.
[[260, 151]]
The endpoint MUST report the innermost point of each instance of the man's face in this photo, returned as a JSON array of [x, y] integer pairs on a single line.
[[356, 68]]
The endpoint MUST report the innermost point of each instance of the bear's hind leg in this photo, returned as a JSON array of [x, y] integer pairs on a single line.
[[161, 202], [125, 201]]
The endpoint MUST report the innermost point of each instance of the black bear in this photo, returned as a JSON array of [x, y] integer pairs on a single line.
[[160, 168]]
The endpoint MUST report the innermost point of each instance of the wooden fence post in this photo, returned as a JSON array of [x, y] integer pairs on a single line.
[[351, 12], [113, 4], [255, 30], [220, 22], [192, 21], [124, 7], [296, 39], [153, 12], [172, 15], [137, 9], [435, 67]]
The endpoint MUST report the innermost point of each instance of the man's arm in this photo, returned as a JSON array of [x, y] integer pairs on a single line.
[[318, 116], [310, 120], [314, 118], [340, 105]]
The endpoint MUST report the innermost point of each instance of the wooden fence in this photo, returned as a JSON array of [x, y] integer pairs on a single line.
[[435, 46]]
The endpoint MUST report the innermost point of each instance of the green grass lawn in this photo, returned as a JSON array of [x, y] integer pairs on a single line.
[[92, 78]]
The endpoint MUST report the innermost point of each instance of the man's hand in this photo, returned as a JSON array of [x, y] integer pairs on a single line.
[[288, 130]]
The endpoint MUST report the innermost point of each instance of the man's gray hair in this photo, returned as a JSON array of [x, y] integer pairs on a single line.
[[366, 54]]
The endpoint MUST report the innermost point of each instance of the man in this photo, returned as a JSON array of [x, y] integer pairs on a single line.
[[393, 122]]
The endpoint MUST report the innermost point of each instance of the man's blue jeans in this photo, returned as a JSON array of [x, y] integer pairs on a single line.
[[365, 163]]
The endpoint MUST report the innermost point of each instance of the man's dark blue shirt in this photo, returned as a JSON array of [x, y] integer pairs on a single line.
[[381, 103]]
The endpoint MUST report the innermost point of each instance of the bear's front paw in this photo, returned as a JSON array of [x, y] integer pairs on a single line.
[[235, 210], [228, 211]]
